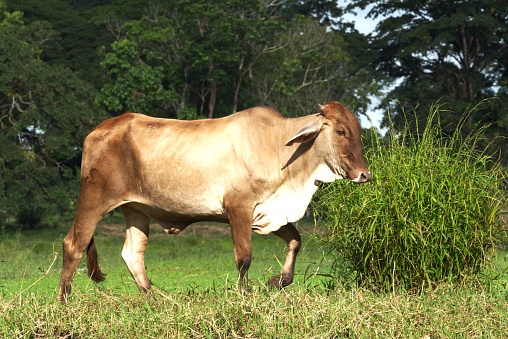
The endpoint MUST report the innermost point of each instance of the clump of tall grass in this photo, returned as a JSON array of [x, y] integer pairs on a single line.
[[430, 213]]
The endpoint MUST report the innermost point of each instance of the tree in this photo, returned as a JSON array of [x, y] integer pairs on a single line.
[[301, 69], [134, 85], [327, 12], [308, 64], [76, 40], [45, 112], [220, 57], [205, 48], [454, 50]]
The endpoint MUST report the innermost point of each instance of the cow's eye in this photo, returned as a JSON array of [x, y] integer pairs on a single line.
[[341, 133]]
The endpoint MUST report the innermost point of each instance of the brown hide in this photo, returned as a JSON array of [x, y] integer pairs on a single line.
[[254, 169]]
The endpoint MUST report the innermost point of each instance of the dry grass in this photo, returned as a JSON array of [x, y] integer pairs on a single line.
[[293, 313]]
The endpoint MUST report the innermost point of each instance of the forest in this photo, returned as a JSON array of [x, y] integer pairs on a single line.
[[66, 65]]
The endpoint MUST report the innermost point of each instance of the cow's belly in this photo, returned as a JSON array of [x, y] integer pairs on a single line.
[[183, 205]]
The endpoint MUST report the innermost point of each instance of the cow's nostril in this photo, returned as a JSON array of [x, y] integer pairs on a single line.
[[363, 177], [366, 176]]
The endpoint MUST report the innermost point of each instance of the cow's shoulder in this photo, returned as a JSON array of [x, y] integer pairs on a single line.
[[112, 130], [120, 120]]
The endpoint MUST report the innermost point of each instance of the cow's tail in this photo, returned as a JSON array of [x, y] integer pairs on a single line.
[[92, 263]]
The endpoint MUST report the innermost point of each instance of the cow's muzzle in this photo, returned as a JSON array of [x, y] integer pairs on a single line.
[[362, 177]]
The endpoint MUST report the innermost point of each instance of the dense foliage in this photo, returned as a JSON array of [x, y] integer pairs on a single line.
[[430, 214], [67, 64], [45, 112], [454, 50], [215, 58]]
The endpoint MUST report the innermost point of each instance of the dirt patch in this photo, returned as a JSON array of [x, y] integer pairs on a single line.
[[208, 230], [110, 229]]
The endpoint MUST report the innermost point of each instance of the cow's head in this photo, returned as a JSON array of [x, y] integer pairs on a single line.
[[342, 136]]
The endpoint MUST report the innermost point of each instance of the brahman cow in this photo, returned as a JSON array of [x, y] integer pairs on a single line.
[[255, 170]]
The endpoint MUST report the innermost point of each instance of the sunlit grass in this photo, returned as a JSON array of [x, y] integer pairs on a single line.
[[431, 213], [447, 312], [189, 260], [195, 295]]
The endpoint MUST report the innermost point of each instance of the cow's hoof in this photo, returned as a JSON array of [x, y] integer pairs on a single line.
[[245, 291], [278, 281], [63, 299]]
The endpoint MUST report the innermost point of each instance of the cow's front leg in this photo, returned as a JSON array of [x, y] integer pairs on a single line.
[[241, 231], [136, 240], [292, 237]]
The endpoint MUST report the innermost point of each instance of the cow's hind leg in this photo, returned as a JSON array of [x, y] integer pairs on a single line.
[[136, 240], [79, 239], [292, 237]]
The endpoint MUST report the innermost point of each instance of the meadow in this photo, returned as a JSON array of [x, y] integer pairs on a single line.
[[194, 278], [418, 252]]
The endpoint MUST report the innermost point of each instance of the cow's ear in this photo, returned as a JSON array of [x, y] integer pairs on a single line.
[[307, 133]]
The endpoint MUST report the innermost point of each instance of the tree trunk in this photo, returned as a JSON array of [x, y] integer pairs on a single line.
[[213, 98], [239, 79]]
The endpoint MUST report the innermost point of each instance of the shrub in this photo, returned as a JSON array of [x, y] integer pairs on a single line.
[[430, 213]]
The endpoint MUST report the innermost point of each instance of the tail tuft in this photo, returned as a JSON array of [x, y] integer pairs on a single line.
[[92, 263]]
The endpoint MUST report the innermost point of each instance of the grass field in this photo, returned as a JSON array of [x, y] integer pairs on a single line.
[[201, 257], [194, 278]]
